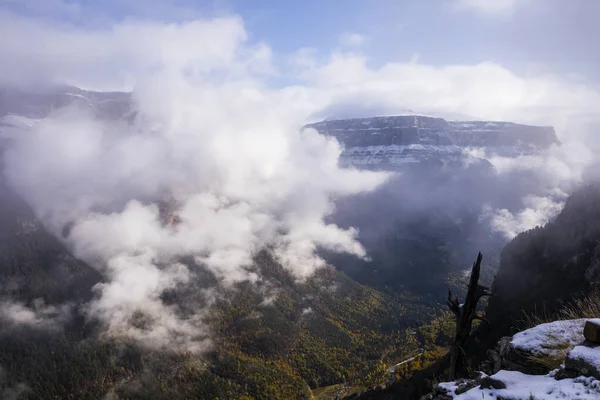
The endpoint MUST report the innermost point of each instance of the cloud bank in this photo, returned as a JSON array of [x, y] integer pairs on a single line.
[[214, 166], [538, 211]]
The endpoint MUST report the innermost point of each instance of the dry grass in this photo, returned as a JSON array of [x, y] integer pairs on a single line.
[[534, 318], [585, 307]]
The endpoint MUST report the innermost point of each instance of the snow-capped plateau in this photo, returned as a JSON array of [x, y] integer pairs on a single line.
[[397, 141]]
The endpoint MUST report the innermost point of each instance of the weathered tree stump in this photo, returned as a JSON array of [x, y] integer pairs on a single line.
[[465, 314]]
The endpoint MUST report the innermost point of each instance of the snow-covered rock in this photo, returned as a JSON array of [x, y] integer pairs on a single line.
[[550, 338], [584, 360], [516, 385], [527, 351], [408, 140]]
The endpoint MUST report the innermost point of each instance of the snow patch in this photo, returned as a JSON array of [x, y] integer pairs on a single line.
[[590, 355], [522, 386], [550, 337]]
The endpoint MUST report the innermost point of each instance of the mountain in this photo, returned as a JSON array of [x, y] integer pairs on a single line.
[[429, 218], [412, 140], [547, 284], [543, 269], [275, 339], [426, 219], [278, 338], [375, 142], [39, 102]]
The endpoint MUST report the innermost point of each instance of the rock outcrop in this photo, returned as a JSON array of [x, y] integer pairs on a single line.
[[521, 367], [535, 350], [591, 331], [584, 360], [401, 141]]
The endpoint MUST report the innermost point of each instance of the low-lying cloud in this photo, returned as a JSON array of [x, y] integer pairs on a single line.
[[212, 169], [37, 316], [537, 211]]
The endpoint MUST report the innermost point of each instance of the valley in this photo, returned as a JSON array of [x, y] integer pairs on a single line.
[[275, 337]]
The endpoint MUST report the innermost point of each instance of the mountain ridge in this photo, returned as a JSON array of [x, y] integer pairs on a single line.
[[393, 142]]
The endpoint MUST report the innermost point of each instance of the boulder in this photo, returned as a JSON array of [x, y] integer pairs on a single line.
[[535, 350], [491, 383], [584, 360], [447, 391], [591, 331]]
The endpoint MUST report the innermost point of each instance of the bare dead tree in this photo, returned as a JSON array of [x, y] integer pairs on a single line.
[[465, 314]]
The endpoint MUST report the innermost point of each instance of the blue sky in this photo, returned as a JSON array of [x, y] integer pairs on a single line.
[[548, 33], [553, 34]]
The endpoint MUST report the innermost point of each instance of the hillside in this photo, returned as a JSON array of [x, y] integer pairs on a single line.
[[544, 269], [274, 340], [547, 274]]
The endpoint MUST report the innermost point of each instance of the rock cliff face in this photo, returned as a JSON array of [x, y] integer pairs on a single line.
[[543, 269], [399, 141]]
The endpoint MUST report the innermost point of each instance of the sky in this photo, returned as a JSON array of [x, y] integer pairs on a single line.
[[524, 35], [369, 56]]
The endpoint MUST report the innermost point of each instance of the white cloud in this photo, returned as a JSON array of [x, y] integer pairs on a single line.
[[113, 57], [39, 315], [537, 212], [488, 7], [226, 152], [352, 39], [485, 91]]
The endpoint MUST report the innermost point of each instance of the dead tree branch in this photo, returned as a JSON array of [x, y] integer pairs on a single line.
[[465, 314]]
